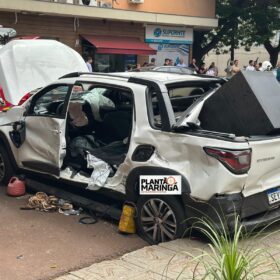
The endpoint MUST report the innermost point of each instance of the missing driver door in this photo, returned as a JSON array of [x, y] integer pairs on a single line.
[[45, 145]]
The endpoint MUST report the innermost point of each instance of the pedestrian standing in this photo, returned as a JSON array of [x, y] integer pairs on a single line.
[[250, 67], [235, 67], [153, 62], [193, 65], [128, 68], [181, 63], [166, 62], [171, 62], [89, 62], [202, 69], [258, 66], [228, 69], [138, 67], [212, 70]]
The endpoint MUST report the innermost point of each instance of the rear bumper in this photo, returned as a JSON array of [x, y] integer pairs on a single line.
[[253, 211], [260, 220]]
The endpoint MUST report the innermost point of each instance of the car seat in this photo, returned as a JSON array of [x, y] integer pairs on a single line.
[[116, 126]]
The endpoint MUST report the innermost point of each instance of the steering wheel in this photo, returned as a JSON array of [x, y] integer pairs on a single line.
[[59, 109]]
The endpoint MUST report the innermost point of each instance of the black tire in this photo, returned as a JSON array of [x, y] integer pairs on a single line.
[[6, 168], [163, 227]]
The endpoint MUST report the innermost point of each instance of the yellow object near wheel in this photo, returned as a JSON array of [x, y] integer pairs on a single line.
[[127, 223]]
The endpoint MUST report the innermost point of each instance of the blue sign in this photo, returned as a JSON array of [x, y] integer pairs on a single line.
[[168, 34], [164, 41], [157, 32]]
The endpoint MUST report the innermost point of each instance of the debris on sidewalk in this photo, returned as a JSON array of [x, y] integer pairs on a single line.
[[70, 212], [42, 202]]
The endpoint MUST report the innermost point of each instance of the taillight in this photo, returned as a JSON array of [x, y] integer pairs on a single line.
[[24, 98], [237, 161]]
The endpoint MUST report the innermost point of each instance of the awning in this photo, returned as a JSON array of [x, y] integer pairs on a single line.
[[119, 45]]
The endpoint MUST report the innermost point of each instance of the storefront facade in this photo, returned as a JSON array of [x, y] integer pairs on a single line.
[[114, 53], [121, 35], [171, 42]]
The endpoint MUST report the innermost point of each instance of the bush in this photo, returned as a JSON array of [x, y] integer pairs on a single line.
[[230, 259]]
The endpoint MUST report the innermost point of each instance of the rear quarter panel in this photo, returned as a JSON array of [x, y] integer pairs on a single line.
[[184, 153]]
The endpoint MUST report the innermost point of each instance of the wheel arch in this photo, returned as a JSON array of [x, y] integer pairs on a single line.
[[4, 141]]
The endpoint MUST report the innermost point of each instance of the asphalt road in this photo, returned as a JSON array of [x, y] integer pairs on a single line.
[[36, 245]]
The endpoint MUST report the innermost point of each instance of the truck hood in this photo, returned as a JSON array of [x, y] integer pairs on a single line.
[[29, 64]]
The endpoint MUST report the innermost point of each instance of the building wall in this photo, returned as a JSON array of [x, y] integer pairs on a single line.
[[62, 28], [200, 8], [199, 14]]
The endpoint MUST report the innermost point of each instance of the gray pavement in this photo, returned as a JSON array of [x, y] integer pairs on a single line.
[[36, 245]]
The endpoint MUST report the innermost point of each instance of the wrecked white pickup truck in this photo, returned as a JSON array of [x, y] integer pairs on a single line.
[[169, 143]]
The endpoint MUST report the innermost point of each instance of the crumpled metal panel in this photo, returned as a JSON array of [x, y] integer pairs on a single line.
[[183, 153], [45, 141], [12, 115]]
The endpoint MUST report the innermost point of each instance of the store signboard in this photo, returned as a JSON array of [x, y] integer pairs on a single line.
[[169, 34], [171, 51]]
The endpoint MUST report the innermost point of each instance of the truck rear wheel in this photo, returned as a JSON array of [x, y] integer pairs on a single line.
[[160, 218]]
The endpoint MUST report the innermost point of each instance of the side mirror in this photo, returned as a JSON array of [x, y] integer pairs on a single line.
[[6, 34]]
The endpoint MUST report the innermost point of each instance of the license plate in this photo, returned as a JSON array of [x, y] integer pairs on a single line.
[[273, 196]]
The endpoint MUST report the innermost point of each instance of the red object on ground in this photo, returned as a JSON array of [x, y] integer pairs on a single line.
[[16, 187], [119, 45]]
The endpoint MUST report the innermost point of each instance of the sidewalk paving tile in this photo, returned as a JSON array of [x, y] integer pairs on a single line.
[[167, 261], [192, 246], [113, 269], [68, 277], [161, 260]]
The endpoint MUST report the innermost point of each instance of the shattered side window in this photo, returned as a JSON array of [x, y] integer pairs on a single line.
[[153, 109], [186, 92], [182, 98], [51, 102]]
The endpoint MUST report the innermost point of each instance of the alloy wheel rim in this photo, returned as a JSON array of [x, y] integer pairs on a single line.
[[2, 167], [158, 220]]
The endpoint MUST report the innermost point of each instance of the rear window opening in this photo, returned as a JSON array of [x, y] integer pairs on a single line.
[[181, 98]]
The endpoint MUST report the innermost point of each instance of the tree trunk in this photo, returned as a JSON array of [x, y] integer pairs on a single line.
[[232, 45], [273, 52], [274, 58]]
